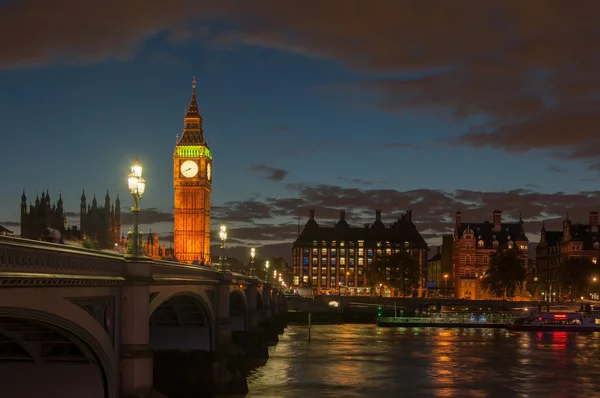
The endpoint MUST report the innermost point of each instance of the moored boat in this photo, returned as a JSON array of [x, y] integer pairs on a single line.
[[557, 321]]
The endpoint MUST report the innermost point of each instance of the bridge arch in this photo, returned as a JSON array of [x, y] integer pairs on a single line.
[[182, 310], [238, 310], [182, 338], [47, 345]]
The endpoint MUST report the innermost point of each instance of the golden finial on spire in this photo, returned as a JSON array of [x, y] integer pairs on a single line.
[[194, 83]]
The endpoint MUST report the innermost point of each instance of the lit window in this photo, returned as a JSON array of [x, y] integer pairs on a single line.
[[361, 243], [468, 259], [333, 243], [495, 244], [480, 243], [595, 260]]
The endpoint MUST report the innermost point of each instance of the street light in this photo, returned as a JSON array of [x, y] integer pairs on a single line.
[[223, 236], [267, 273], [445, 284], [137, 187], [252, 255]]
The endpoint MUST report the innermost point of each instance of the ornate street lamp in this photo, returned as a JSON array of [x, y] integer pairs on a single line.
[[223, 236], [252, 255], [137, 187], [267, 273]]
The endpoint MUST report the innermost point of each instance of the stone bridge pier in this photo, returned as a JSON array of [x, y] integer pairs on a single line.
[[196, 341]]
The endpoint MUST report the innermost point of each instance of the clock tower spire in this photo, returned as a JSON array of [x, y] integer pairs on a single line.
[[192, 180]]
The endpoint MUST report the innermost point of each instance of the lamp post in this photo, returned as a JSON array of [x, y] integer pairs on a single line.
[[445, 284], [267, 272], [223, 236], [137, 187], [252, 255]]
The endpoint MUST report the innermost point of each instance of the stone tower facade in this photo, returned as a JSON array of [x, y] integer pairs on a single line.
[[192, 180]]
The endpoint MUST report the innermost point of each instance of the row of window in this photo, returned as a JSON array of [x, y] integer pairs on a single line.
[[359, 243], [495, 245], [333, 284]]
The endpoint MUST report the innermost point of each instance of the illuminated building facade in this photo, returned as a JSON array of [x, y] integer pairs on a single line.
[[574, 240], [153, 249], [331, 258], [473, 244], [192, 179]]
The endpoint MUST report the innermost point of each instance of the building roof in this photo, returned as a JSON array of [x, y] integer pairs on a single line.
[[581, 233], [5, 230], [508, 232], [192, 131], [402, 230]]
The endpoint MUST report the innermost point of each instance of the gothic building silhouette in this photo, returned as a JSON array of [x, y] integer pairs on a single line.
[[100, 224], [40, 220], [44, 220]]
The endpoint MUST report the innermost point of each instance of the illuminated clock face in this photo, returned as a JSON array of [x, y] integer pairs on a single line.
[[189, 168], [208, 171]]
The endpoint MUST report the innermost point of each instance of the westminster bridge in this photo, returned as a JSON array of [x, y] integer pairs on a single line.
[[84, 323]]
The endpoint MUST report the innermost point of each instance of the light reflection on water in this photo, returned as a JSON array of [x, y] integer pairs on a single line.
[[366, 361]]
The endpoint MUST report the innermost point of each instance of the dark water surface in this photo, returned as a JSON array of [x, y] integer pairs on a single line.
[[366, 361]]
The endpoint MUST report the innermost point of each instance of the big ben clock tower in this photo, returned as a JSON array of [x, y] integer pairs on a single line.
[[192, 174]]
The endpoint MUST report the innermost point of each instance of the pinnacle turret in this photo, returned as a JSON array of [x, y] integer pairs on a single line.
[[192, 131]]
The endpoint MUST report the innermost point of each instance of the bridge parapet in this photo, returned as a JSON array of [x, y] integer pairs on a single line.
[[170, 271], [23, 260]]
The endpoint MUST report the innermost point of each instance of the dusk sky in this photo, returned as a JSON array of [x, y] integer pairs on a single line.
[[433, 106]]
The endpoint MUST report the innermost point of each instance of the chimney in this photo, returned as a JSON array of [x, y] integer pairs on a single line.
[[312, 214], [594, 221], [342, 215], [497, 220], [377, 215], [409, 215], [458, 218]]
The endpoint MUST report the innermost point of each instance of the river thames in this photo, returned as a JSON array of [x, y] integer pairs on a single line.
[[366, 361]]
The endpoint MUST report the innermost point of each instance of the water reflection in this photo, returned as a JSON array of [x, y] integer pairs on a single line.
[[364, 361]]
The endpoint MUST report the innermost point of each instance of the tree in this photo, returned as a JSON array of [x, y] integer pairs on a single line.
[[398, 271], [575, 275], [506, 274]]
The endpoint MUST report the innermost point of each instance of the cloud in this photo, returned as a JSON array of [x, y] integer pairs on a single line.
[[528, 77], [147, 216], [10, 223], [273, 173], [556, 169], [433, 210], [359, 181]]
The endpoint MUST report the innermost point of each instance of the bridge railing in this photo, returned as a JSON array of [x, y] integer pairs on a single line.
[[29, 256]]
